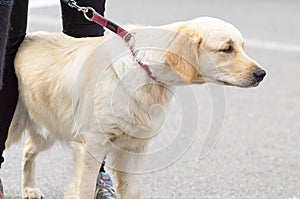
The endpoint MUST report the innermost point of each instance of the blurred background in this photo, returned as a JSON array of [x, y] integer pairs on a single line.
[[258, 150]]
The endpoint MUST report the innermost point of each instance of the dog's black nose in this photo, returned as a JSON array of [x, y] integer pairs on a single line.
[[259, 74]]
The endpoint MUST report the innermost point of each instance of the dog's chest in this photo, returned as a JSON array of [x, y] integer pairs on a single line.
[[140, 115]]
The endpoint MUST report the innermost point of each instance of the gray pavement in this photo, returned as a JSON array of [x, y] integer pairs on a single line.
[[258, 153]]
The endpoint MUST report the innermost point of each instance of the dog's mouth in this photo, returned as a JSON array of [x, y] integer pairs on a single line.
[[241, 85], [225, 83], [245, 83]]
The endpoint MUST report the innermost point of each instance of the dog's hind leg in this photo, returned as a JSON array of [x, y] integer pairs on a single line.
[[35, 144]]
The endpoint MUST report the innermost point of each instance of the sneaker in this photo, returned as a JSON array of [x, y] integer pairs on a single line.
[[104, 187], [1, 189]]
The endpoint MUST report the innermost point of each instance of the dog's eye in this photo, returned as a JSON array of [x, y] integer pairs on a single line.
[[228, 49]]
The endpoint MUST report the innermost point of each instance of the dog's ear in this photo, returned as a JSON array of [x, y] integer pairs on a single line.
[[182, 56]]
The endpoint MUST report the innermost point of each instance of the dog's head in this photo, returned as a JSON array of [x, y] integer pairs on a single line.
[[211, 50]]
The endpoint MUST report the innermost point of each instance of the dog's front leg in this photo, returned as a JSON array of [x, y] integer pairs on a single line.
[[127, 164], [129, 185], [87, 163]]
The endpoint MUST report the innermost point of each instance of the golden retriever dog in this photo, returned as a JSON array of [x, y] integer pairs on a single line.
[[93, 93]]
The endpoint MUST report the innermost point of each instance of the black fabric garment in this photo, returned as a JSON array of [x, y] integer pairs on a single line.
[[9, 91], [5, 10], [74, 24]]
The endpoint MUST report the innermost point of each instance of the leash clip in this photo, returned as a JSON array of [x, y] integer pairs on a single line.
[[73, 4], [84, 10]]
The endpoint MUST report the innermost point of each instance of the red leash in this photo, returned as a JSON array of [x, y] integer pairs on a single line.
[[91, 15]]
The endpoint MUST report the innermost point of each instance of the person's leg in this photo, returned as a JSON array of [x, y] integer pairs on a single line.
[[76, 25], [9, 91], [5, 10]]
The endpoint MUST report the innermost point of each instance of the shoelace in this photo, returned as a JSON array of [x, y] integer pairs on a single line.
[[104, 191]]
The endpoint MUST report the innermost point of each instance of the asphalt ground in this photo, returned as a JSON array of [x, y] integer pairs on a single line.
[[257, 150]]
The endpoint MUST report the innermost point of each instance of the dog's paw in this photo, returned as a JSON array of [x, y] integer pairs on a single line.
[[32, 193]]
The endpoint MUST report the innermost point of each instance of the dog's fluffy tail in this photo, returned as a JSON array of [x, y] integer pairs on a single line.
[[18, 125]]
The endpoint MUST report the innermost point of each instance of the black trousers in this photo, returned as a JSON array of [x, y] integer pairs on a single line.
[[74, 24]]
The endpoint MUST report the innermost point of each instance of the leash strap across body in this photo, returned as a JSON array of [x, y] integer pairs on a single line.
[[91, 15]]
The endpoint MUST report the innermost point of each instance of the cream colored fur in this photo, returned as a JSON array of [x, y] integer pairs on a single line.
[[92, 94]]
